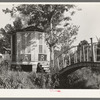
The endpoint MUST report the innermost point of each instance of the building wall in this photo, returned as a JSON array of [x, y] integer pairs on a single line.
[[31, 48]]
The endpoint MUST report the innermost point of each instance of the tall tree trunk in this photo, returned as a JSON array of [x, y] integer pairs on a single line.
[[51, 47], [51, 59]]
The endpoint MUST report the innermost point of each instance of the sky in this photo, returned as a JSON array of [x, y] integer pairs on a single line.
[[5, 18], [88, 19]]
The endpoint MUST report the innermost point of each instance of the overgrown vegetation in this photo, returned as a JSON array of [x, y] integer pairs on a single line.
[[25, 80], [84, 78], [47, 18]]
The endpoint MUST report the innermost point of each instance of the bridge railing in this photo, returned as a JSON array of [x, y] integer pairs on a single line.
[[96, 53], [85, 53]]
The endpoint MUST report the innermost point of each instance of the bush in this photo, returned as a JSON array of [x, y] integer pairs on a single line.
[[41, 80], [16, 80], [24, 80], [83, 78]]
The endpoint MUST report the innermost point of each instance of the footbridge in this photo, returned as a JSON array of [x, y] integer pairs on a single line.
[[78, 57]]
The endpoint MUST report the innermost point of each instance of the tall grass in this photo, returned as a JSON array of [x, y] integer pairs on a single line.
[[24, 80]]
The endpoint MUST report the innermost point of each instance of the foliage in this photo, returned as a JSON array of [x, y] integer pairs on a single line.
[[68, 36], [84, 78], [40, 15], [13, 79], [4, 41], [43, 81], [98, 41], [17, 80], [24, 80], [47, 17], [83, 45], [6, 32]]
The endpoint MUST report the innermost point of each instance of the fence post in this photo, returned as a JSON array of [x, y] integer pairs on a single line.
[[65, 63], [87, 54], [94, 56], [83, 52], [80, 55], [11, 49], [76, 57], [92, 59], [96, 52]]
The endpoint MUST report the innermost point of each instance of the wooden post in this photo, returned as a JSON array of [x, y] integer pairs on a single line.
[[92, 59], [11, 49], [87, 54], [94, 56], [65, 63], [76, 57], [84, 53], [96, 52]]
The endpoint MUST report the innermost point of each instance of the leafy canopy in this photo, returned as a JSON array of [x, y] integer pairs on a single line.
[[46, 17]]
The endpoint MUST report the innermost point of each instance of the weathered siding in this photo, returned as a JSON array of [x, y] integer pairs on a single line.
[[30, 47]]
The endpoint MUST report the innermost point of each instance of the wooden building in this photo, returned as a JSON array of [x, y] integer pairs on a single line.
[[29, 48]]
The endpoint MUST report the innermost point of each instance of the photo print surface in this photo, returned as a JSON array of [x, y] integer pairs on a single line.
[[50, 46]]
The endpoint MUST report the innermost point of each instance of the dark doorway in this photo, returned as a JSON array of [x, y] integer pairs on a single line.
[[26, 68]]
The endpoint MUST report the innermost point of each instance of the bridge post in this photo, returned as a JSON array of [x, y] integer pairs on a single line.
[[75, 57], [83, 53], [94, 53], [87, 53], [65, 63], [92, 58], [80, 55]]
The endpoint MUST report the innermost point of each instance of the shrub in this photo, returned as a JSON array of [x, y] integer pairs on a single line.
[[16, 80], [41, 80], [24, 80], [83, 78]]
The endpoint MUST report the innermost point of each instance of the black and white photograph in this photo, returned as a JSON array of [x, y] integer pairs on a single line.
[[50, 46]]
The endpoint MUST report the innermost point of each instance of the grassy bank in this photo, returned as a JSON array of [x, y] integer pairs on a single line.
[[85, 78], [24, 80]]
